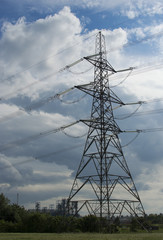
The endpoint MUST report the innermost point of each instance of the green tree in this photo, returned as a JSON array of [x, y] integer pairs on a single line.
[[90, 224], [133, 225]]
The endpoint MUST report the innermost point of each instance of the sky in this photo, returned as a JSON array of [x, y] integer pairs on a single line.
[[38, 39]]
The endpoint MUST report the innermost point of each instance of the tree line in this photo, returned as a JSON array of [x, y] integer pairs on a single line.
[[14, 218]]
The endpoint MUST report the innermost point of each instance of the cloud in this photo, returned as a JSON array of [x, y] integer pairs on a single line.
[[31, 52], [142, 8], [24, 45], [151, 176], [33, 180]]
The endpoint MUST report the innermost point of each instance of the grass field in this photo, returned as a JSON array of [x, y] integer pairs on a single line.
[[80, 236]]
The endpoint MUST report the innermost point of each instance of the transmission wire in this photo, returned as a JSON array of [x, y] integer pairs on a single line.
[[78, 73], [157, 111], [75, 101], [69, 135], [132, 140], [34, 137], [144, 39], [130, 115], [45, 59], [123, 79], [33, 106], [132, 43], [43, 156]]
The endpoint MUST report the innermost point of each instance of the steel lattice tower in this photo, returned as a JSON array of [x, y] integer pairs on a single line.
[[103, 184]]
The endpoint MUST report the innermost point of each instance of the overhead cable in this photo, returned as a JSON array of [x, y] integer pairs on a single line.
[[123, 79], [35, 82], [72, 136], [35, 137], [50, 75], [78, 73], [143, 130], [35, 105], [45, 59], [47, 100], [139, 70], [32, 159], [46, 77], [73, 101], [136, 114], [132, 140], [130, 115], [132, 43]]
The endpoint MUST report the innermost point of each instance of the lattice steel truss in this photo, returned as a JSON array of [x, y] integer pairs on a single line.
[[103, 184]]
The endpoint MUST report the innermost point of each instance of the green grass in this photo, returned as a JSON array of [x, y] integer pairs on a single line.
[[80, 236]]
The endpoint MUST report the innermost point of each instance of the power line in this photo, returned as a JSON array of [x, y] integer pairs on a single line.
[[132, 43], [44, 101], [72, 136], [147, 130], [123, 79], [139, 70], [78, 43], [48, 76], [52, 74], [80, 145], [130, 115], [78, 73], [136, 114], [47, 58], [35, 137], [43, 156], [132, 140], [46, 133], [35, 105], [73, 101], [35, 82]]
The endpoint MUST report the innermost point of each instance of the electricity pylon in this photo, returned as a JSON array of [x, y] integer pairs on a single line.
[[103, 185]]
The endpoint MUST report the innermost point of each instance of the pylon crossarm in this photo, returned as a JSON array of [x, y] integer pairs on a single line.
[[104, 65], [115, 98], [91, 90], [89, 122], [87, 90], [76, 62]]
